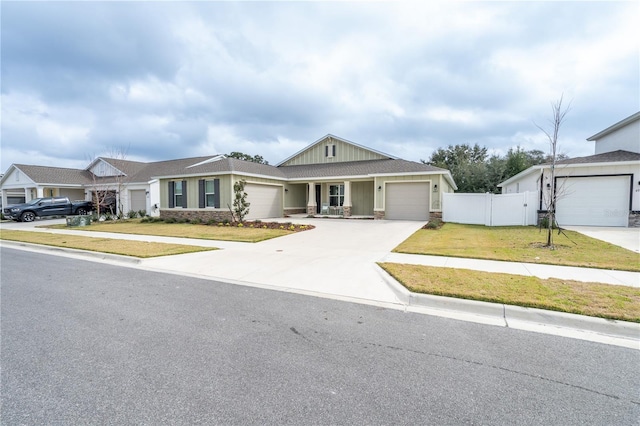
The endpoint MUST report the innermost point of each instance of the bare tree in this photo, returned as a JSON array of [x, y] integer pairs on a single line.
[[106, 186], [550, 198]]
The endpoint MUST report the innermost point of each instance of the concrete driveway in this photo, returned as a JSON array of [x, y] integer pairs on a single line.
[[628, 238], [337, 258]]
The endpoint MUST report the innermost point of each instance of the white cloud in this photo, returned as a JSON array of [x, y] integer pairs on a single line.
[[269, 78]]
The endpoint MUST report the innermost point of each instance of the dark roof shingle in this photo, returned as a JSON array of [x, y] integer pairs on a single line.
[[607, 157]]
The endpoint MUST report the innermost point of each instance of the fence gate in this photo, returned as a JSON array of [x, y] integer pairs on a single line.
[[491, 209]]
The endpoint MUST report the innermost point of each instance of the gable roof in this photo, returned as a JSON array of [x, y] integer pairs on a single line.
[[179, 168], [53, 175], [620, 124], [330, 136], [607, 157]]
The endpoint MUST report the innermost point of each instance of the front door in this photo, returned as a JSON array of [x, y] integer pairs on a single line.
[[318, 198]]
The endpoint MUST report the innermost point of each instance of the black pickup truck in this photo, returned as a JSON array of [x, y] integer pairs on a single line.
[[50, 206]]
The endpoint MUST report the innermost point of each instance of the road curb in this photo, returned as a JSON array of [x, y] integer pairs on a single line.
[[86, 253], [510, 314]]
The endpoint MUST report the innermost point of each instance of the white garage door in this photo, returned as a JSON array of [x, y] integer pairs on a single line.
[[138, 200], [593, 201], [407, 201], [266, 201]]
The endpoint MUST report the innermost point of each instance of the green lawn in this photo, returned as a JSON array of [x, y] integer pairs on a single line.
[[184, 230], [519, 244], [141, 249], [593, 299]]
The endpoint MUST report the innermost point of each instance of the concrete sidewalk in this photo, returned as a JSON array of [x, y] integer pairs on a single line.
[[529, 269]]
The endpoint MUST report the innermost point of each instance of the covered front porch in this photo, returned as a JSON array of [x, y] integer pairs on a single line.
[[336, 198]]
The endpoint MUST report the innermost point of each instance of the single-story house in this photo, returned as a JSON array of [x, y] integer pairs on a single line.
[[332, 176], [598, 190]]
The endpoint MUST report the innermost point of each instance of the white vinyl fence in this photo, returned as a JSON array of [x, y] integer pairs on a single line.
[[491, 209]]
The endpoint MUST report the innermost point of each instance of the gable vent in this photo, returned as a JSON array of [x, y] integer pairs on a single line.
[[329, 151]]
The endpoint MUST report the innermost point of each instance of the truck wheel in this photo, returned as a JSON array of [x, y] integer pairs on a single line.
[[81, 211], [28, 217]]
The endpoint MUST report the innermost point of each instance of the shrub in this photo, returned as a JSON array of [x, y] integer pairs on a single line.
[[212, 222], [170, 220], [142, 213], [196, 221], [146, 219], [132, 214]]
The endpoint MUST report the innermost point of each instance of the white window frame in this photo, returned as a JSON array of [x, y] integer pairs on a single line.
[[209, 195], [177, 202], [338, 197]]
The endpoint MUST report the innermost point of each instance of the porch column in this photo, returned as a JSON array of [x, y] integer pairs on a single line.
[[311, 204], [39, 192], [346, 206]]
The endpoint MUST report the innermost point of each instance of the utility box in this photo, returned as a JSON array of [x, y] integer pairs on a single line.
[[79, 220]]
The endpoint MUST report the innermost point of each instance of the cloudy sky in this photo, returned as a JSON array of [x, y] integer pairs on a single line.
[[164, 80]]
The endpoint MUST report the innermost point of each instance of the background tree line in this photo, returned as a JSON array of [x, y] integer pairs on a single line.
[[475, 171]]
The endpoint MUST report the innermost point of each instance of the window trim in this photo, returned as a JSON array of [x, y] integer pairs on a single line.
[[339, 196]]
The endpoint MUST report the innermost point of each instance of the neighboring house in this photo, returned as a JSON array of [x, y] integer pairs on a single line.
[[598, 190], [332, 176], [126, 183]]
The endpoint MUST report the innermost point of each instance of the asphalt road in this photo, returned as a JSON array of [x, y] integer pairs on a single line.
[[87, 343]]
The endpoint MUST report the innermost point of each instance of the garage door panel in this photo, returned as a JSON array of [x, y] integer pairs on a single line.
[[407, 201], [593, 201], [265, 200], [138, 200]]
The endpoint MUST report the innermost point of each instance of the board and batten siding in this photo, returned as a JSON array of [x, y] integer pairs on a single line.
[[362, 194], [434, 197], [344, 152], [296, 196]]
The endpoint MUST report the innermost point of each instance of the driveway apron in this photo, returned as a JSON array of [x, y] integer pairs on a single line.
[[337, 258]]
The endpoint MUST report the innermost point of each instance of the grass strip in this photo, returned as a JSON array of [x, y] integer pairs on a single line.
[[576, 297], [519, 244], [141, 249], [182, 230]]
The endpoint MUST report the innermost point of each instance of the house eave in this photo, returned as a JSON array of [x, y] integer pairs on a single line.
[[620, 124], [222, 173], [520, 175]]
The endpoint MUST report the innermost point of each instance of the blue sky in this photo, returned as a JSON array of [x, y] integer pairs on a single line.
[[163, 80]]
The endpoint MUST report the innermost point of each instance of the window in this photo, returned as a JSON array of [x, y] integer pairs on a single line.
[[336, 195], [209, 193], [177, 194]]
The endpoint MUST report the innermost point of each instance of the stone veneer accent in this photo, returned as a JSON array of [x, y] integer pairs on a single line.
[[311, 210], [435, 215], [378, 214], [203, 215], [346, 211], [295, 211]]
